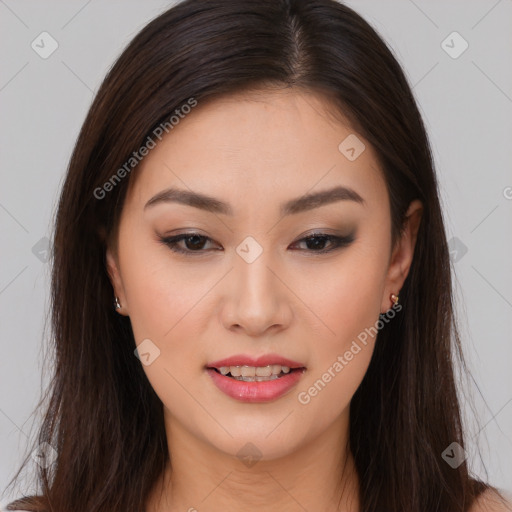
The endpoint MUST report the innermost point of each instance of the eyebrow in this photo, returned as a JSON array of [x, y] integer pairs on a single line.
[[293, 206]]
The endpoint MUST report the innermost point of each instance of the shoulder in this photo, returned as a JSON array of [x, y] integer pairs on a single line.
[[3, 507], [490, 501]]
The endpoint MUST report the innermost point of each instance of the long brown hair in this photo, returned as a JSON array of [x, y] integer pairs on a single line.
[[103, 418]]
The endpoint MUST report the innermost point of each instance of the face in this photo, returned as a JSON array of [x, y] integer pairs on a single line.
[[260, 276]]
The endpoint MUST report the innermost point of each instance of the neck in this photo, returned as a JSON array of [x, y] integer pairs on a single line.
[[318, 476]]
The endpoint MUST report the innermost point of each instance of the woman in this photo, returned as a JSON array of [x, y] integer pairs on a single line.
[[253, 187]]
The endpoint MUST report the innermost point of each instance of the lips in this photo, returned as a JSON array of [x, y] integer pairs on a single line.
[[260, 379], [265, 360]]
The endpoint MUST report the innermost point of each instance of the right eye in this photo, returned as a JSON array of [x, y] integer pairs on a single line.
[[194, 243]]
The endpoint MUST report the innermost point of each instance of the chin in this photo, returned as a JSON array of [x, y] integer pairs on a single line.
[[262, 441]]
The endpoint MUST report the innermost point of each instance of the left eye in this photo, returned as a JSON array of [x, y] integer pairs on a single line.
[[194, 242], [317, 242]]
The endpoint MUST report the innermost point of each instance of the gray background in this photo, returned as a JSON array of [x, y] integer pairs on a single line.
[[466, 103]]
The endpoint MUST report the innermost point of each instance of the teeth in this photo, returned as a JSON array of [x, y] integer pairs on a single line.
[[253, 373], [263, 371], [235, 371], [248, 371], [276, 369]]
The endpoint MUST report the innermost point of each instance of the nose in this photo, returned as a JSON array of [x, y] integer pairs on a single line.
[[257, 300]]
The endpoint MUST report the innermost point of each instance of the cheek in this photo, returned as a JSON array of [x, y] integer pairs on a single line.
[[346, 295], [169, 303], [347, 299], [160, 292], [166, 302]]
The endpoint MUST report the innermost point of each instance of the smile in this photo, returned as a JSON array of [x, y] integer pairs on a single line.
[[255, 380], [254, 373]]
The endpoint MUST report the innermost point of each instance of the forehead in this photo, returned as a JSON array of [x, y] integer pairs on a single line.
[[260, 144]]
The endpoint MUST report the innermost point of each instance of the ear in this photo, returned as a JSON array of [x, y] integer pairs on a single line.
[[402, 255], [112, 262]]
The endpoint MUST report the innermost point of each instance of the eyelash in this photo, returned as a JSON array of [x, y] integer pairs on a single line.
[[338, 242]]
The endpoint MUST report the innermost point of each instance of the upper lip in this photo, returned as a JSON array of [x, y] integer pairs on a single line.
[[264, 360]]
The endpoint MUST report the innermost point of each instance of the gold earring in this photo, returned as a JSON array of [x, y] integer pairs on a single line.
[[117, 304], [394, 299]]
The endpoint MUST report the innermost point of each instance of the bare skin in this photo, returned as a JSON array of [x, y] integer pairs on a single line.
[[254, 152]]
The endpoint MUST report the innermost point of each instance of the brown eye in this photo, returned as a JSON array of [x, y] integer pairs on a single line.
[[193, 243], [317, 242]]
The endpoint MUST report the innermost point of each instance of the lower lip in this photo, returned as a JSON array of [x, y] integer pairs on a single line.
[[264, 391]]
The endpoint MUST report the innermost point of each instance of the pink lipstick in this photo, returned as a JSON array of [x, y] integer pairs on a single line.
[[255, 379]]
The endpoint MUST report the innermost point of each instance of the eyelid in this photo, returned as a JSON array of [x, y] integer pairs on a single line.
[[171, 242], [337, 242]]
